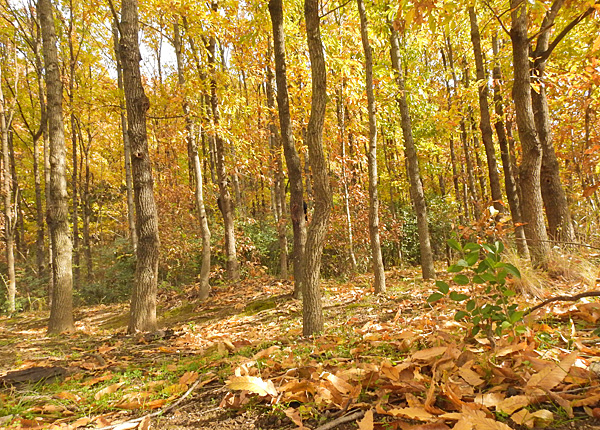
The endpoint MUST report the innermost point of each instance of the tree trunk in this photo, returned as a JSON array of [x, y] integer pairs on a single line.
[[512, 193], [9, 210], [292, 158], [143, 295], [225, 201], [87, 209], [414, 176], [378, 269], [485, 123], [558, 214], [312, 315], [61, 311], [204, 288], [126, 146], [529, 176]]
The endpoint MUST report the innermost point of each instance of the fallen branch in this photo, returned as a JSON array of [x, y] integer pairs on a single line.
[[563, 299], [342, 420], [157, 413]]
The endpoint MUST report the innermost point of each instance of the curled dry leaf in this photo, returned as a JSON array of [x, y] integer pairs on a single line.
[[367, 422], [253, 384]]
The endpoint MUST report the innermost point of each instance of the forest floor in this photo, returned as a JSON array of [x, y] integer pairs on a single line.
[[239, 361]]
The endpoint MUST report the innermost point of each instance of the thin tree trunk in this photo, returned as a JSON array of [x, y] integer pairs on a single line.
[[127, 149], [87, 209], [225, 201], [378, 269], [143, 296], [312, 315], [204, 288], [414, 176], [529, 176], [61, 311], [292, 158], [510, 184], [485, 123]]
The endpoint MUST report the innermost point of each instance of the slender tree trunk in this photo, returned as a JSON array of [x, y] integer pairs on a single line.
[[225, 201], [414, 176], [529, 176], [510, 184], [9, 210], [61, 311], [278, 194], [126, 146], [87, 206], [292, 158], [378, 269], [312, 315], [204, 288], [485, 123], [143, 296], [558, 214]]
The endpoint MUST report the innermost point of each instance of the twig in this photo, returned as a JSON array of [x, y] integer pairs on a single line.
[[563, 299], [157, 413], [341, 420]]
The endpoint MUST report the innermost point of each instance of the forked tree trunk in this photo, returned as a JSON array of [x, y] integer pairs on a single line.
[[485, 123], [312, 315], [414, 176], [292, 158], [61, 310], [378, 269], [204, 288], [529, 177], [143, 295]]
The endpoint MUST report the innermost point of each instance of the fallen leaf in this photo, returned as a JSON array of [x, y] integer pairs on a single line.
[[512, 404], [470, 376], [428, 354], [480, 422], [540, 418], [108, 390], [411, 413], [252, 384], [189, 378], [145, 423], [294, 415], [126, 426], [552, 375], [489, 399], [367, 422], [266, 352]]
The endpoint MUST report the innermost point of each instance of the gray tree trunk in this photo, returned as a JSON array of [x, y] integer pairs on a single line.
[[378, 269], [143, 295], [61, 310]]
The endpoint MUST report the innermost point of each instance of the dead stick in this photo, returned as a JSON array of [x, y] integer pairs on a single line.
[[563, 299], [341, 420], [157, 413]]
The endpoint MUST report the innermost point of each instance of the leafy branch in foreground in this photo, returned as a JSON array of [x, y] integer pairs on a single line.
[[493, 313]]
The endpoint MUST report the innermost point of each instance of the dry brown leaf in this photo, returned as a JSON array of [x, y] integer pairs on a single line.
[[510, 349], [481, 422], [126, 426], [145, 423], [108, 390], [253, 384], [588, 401], [552, 375], [489, 399], [294, 415], [98, 379], [66, 395], [470, 376], [175, 388], [266, 352], [411, 413], [540, 418], [339, 384], [155, 404], [189, 378], [429, 353], [367, 422], [512, 404], [463, 424]]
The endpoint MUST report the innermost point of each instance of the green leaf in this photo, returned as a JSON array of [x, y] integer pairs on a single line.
[[455, 268], [471, 305], [478, 280], [512, 270], [472, 258], [461, 280], [453, 243], [516, 316], [434, 297], [458, 297], [470, 247], [442, 286], [508, 293], [460, 315]]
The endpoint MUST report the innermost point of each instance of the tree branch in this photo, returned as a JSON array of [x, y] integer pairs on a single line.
[[562, 299], [498, 17]]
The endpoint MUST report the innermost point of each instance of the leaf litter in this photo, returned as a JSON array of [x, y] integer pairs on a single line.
[[390, 362]]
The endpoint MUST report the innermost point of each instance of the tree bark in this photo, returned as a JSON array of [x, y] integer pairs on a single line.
[[312, 315], [378, 268], [143, 295], [204, 287], [414, 175], [292, 159], [127, 148], [512, 193], [529, 176], [485, 123], [61, 311], [225, 201]]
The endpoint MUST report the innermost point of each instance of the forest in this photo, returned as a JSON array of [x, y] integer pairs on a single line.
[[302, 214]]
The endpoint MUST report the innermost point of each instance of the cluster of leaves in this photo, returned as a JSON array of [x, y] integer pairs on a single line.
[[492, 313]]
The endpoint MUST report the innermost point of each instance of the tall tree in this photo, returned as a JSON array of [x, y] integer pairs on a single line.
[[143, 295], [414, 175], [529, 175], [194, 158], [372, 156], [292, 158], [312, 315], [61, 310]]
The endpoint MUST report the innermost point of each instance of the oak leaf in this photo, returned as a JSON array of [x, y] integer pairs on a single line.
[[253, 384]]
